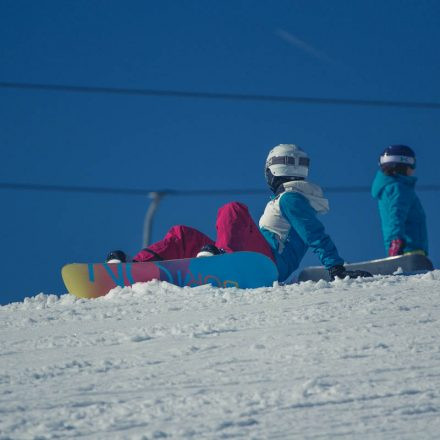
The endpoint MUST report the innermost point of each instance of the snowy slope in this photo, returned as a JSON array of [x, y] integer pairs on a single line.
[[349, 359]]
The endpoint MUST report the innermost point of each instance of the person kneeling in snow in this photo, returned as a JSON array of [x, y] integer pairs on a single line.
[[288, 227], [402, 215]]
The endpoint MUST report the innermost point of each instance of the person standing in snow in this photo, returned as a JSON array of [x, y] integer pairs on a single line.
[[288, 227], [402, 216]]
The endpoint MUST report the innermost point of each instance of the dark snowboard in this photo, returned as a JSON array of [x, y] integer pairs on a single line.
[[385, 266]]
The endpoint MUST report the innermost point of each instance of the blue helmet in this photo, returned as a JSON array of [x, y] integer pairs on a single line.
[[398, 157]]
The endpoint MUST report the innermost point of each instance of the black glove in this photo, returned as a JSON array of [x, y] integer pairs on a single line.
[[339, 271]]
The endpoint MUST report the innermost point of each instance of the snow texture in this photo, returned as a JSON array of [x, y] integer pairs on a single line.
[[348, 359]]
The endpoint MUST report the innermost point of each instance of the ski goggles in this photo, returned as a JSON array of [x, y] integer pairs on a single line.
[[405, 160], [288, 160]]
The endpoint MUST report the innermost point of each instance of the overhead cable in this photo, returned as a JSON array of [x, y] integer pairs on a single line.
[[171, 192], [220, 96]]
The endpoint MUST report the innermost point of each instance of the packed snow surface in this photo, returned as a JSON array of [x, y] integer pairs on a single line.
[[349, 359]]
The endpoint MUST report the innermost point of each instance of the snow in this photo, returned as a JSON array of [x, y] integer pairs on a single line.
[[349, 359]]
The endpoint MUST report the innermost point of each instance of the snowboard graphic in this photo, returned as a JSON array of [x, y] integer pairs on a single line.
[[239, 269], [385, 266]]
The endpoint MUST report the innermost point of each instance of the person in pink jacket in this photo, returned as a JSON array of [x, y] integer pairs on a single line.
[[236, 231]]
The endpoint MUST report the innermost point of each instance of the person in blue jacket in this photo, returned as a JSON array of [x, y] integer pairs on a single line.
[[289, 222], [402, 216]]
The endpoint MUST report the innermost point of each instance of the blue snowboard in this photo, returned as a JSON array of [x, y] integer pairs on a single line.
[[239, 269]]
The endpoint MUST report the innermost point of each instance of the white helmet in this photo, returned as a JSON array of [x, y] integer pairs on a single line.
[[286, 162]]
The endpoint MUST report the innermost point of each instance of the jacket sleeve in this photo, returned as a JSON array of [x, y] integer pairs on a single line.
[[302, 217], [397, 200]]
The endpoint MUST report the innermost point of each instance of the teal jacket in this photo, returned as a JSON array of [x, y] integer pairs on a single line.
[[291, 226], [400, 210]]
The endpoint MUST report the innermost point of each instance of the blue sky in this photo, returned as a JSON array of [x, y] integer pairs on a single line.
[[343, 49]]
